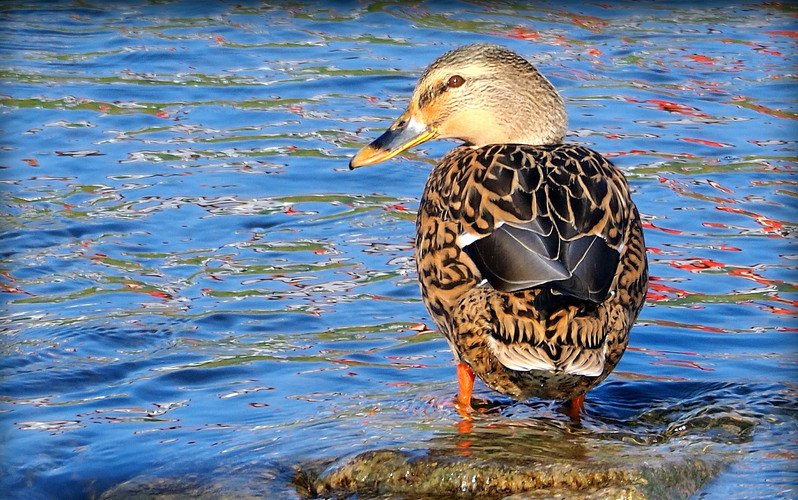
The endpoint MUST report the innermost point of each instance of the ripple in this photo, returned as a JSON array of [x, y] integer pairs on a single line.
[[188, 257]]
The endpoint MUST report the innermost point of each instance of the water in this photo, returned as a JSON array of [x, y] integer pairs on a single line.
[[195, 286]]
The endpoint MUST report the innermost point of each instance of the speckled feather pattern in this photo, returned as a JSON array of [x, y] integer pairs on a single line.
[[537, 341], [530, 252]]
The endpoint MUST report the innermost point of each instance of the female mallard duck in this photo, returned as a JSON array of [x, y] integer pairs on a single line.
[[530, 252]]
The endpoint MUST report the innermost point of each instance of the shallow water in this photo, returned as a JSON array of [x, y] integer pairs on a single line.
[[196, 286]]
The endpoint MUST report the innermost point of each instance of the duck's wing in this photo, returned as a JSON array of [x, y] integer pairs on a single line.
[[517, 256], [553, 229], [556, 218], [550, 220]]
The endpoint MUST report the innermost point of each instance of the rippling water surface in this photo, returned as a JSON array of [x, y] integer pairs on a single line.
[[196, 286]]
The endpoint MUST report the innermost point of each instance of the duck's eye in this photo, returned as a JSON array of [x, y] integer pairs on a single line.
[[455, 81]]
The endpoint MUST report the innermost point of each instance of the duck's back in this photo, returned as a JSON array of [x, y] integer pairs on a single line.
[[531, 258]]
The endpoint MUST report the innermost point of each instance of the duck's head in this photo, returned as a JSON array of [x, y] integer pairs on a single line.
[[481, 94]]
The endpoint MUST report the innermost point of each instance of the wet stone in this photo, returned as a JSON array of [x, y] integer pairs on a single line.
[[442, 474]]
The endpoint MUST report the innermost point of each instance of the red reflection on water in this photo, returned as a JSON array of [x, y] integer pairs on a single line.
[[793, 34], [747, 102], [696, 264], [5, 288], [663, 358], [683, 363], [624, 153], [589, 22], [717, 186], [700, 58], [773, 226], [690, 326], [670, 107], [749, 274], [520, 33], [650, 225], [708, 143], [778, 310], [660, 291]]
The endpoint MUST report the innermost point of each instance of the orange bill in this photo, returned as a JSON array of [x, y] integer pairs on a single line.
[[405, 133]]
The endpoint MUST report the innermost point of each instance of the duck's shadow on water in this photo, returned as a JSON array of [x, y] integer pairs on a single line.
[[633, 439]]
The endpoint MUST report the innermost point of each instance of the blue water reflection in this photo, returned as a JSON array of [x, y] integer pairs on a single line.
[[187, 257]]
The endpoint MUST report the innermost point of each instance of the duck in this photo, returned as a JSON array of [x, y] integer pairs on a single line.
[[530, 252]]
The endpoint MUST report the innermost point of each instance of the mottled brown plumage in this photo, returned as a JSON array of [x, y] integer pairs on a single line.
[[530, 252]]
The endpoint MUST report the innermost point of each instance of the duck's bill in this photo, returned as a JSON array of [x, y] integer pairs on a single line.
[[405, 133]]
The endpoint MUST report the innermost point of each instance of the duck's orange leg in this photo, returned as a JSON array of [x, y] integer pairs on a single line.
[[575, 407], [465, 381]]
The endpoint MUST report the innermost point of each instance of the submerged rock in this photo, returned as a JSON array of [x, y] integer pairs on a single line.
[[441, 474], [163, 489]]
